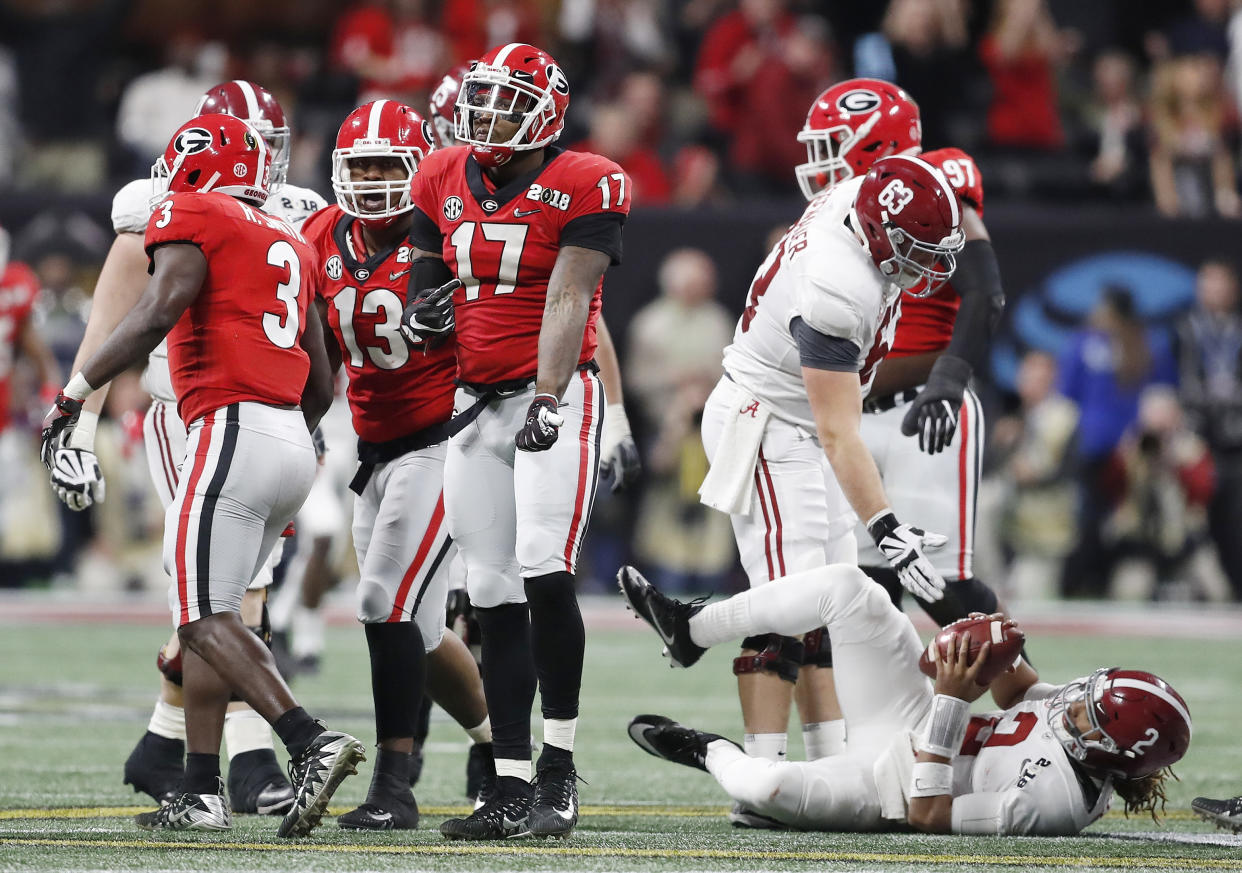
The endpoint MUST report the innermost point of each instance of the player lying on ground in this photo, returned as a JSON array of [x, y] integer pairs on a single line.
[[1047, 764]]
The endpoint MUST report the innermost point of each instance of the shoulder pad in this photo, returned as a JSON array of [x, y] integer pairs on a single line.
[[131, 207]]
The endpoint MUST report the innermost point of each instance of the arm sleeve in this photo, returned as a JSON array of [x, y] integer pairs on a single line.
[[1012, 812], [818, 351], [598, 231], [425, 233], [978, 283]]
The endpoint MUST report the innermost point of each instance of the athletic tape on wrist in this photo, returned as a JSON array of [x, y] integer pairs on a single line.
[[947, 726], [78, 388], [928, 779]]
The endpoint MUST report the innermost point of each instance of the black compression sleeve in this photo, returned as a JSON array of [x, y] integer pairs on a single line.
[[978, 283], [427, 274], [598, 231], [424, 233], [818, 351]]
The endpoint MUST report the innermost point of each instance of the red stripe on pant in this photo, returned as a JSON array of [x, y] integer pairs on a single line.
[[420, 558], [167, 464], [962, 466], [584, 456], [767, 524], [183, 521], [776, 513]]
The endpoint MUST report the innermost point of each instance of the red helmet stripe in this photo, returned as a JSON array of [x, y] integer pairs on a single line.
[[251, 98], [1157, 691], [373, 122]]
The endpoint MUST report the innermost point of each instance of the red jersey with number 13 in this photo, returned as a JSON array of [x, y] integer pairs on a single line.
[[502, 243], [394, 391], [241, 337], [926, 323]]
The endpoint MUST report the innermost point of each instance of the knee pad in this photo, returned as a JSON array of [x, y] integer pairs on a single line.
[[374, 602], [817, 649], [170, 667], [777, 654], [489, 587]]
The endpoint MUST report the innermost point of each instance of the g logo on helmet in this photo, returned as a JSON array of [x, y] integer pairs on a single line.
[[191, 141], [861, 100], [557, 81], [453, 208], [895, 196]]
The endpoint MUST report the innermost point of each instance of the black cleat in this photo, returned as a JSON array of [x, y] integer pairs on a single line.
[[257, 785], [501, 818], [671, 741], [555, 809], [669, 617], [480, 774], [1222, 813], [389, 814], [316, 774], [190, 812], [155, 767], [743, 817]]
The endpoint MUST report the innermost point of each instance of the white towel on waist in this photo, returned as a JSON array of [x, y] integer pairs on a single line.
[[892, 772], [729, 484]]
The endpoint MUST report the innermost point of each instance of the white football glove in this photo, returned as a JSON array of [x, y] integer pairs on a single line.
[[618, 454], [903, 545], [76, 478]]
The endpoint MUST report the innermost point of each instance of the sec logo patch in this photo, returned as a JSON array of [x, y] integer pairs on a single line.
[[334, 268], [453, 208]]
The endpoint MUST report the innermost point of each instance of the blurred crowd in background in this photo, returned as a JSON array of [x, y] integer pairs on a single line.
[[1114, 465]]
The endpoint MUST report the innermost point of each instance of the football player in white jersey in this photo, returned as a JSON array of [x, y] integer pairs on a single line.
[[256, 782], [1046, 764], [821, 312]]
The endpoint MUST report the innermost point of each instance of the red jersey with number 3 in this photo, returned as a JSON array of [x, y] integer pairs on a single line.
[[241, 337], [503, 243], [394, 390], [926, 323], [19, 287]]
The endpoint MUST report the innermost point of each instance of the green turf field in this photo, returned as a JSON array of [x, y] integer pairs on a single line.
[[74, 699]]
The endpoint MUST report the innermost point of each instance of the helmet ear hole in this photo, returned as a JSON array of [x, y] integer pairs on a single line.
[[192, 176]]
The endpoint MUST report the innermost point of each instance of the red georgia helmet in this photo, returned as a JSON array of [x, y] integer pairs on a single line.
[[215, 153], [911, 220], [1139, 724], [254, 104], [443, 105], [381, 129], [517, 83], [851, 126]]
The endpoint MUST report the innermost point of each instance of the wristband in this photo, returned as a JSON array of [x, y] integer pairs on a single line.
[[882, 524], [82, 436], [947, 726], [928, 779], [78, 388], [555, 400]]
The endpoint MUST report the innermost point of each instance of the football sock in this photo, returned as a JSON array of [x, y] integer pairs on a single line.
[[482, 732], [244, 731], [771, 747], [803, 601], [558, 642], [306, 632], [398, 670], [167, 721], [509, 681], [551, 756], [721, 622], [823, 738], [391, 777], [201, 773], [297, 730]]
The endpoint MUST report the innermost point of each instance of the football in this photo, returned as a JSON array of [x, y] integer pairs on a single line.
[[1005, 637]]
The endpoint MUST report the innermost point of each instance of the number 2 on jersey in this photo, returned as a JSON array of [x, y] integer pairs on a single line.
[[513, 240]]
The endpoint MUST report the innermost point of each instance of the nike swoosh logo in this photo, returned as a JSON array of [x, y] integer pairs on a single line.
[[567, 815], [517, 213], [664, 635], [381, 816], [392, 277]]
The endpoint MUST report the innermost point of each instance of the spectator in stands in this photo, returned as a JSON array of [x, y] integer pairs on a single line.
[[1104, 370], [361, 44], [1210, 380], [1201, 30], [1192, 170], [1021, 51], [474, 26], [155, 104], [1027, 503], [1114, 119], [1160, 480], [615, 135], [928, 41], [604, 39], [673, 362]]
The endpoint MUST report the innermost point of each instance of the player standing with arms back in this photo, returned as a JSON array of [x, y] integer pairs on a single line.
[[230, 288], [529, 230]]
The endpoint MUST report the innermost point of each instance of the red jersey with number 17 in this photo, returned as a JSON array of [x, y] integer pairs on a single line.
[[241, 337], [394, 391], [926, 323], [502, 243]]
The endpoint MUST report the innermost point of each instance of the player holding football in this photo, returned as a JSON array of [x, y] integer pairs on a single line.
[[256, 781], [401, 399], [1047, 764], [230, 289], [529, 230]]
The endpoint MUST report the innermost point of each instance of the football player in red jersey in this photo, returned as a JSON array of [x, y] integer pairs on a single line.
[[256, 780], [230, 289], [19, 289], [401, 400], [529, 230]]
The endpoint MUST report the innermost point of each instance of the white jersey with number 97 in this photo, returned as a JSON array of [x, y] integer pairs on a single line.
[[821, 272], [131, 208]]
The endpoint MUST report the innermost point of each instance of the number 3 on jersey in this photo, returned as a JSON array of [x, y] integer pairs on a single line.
[[512, 239]]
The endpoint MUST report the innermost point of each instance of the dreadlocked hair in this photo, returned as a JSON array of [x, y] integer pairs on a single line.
[[1144, 794]]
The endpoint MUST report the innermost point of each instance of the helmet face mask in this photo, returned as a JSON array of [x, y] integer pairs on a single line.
[[378, 150]]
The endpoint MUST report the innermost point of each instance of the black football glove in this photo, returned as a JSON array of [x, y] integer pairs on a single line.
[[542, 425], [320, 444], [618, 454], [63, 414], [429, 315], [933, 413], [903, 546]]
